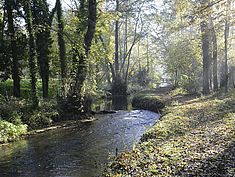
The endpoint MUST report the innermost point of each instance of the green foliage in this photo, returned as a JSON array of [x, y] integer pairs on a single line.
[[10, 111], [6, 88], [43, 116], [10, 132], [19, 112], [134, 88], [184, 63], [178, 91]]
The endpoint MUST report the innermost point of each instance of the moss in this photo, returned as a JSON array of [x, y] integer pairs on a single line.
[[149, 102]]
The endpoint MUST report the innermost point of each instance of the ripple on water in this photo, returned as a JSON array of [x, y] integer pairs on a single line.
[[75, 152]]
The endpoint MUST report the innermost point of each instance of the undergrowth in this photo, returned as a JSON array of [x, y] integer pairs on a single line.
[[10, 132], [17, 116]]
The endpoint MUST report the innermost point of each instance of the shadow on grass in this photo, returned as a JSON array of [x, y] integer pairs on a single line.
[[221, 165]]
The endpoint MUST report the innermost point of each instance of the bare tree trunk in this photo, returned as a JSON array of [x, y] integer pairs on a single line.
[[147, 51], [214, 58], [224, 76], [117, 43], [226, 34], [15, 66], [205, 51]]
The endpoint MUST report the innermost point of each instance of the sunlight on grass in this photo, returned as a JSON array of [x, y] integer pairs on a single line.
[[192, 138]]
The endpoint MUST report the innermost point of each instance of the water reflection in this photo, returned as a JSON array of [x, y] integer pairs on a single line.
[[119, 102], [81, 151]]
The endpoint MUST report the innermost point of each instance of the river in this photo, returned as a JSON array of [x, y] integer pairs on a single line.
[[80, 151]]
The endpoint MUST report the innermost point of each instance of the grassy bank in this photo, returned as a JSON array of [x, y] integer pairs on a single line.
[[195, 137]]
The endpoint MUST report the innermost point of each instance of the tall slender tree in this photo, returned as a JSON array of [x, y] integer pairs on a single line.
[[42, 18], [62, 48], [9, 4], [214, 57], [224, 83], [32, 51], [205, 48]]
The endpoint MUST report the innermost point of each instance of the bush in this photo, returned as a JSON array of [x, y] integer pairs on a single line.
[[11, 111], [10, 132], [178, 91], [43, 116]]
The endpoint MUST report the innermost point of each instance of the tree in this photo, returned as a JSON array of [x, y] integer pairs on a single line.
[[214, 56], [205, 49], [11, 30], [75, 97], [131, 34], [224, 81], [62, 48], [42, 18], [32, 51]]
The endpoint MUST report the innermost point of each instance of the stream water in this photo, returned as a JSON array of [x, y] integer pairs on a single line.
[[81, 151]]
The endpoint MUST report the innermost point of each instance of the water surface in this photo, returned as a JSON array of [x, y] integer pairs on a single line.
[[81, 151]]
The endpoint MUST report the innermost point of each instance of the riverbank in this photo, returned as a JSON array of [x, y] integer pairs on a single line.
[[22, 133], [194, 137], [18, 120]]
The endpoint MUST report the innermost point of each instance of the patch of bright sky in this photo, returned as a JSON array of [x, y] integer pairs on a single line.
[[67, 3]]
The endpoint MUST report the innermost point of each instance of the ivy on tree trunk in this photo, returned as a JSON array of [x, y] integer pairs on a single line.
[[15, 61], [32, 52]]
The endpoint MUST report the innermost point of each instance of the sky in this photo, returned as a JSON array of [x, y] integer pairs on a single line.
[[65, 3]]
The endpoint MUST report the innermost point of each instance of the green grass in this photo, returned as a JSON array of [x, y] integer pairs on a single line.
[[6, 88]]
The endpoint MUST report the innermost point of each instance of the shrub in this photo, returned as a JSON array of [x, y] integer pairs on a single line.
[[178, 91], [11, 111], [43, 116], [10, 132]]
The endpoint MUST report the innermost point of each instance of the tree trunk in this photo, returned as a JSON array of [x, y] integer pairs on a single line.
[[43, 60], [43, 19], [116, 43], [214, 58], [147, 53], [226, 33], [206, 58], [118, 83], [32, 53], [62, 48], [75, 101], [15, 61], [224, 78]]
